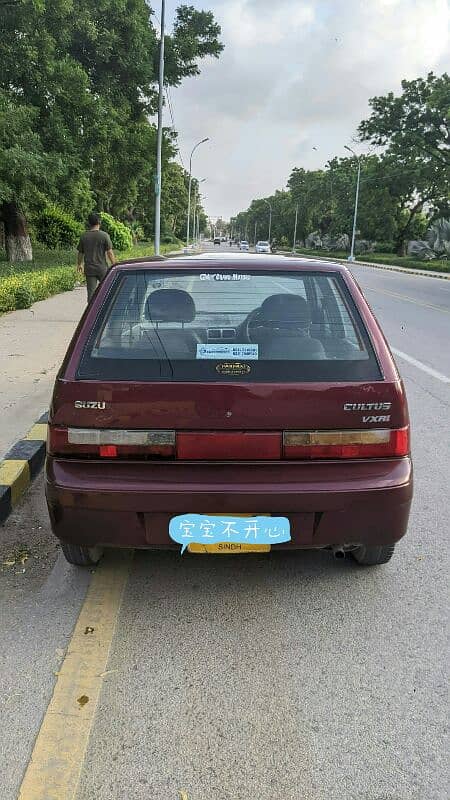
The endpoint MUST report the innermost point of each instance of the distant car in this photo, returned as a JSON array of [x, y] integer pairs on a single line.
[[245, 386], [262, 247], [217, 240], [243, 246]]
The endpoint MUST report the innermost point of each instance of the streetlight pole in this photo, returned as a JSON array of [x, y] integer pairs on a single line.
[[160, 136], [190, 187], [358, 158], [270, 219], [256, 225], [295, 228]]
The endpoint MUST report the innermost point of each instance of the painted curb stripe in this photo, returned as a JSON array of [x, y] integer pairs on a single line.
[[5, 502], [30, 451], [57, 759], [21, 464], [15, 473], [37, 433]]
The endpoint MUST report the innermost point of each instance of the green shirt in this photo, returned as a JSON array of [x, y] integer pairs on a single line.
[[94, 246]]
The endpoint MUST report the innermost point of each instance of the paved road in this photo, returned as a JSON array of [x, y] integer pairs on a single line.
[[278, 678]]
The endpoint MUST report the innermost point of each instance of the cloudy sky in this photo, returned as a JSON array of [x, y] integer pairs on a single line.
[[296, 75]]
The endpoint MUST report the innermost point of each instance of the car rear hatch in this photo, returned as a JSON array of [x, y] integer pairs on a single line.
[[271, 365]]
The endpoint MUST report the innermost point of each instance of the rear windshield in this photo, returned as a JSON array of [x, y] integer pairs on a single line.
[[255, 326]]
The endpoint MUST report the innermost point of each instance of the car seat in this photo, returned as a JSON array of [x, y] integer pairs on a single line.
[[286, 319], [173, 306]]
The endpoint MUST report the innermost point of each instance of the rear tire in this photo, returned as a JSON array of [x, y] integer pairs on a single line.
[[371, 555], [81, 556]]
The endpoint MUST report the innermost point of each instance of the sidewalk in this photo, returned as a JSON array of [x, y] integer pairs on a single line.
[[32, 345]]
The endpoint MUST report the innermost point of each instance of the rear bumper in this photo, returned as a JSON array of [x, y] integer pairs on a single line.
[[130, 504]]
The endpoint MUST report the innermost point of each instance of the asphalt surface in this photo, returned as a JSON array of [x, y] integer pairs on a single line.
[[274, 677]]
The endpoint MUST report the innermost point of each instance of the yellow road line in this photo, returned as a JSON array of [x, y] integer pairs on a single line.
[[58, 755], [408, 299], [16, 474], [38, 432]]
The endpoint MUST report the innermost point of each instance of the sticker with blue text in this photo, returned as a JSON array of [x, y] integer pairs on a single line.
[[200, 529], [249, 352]]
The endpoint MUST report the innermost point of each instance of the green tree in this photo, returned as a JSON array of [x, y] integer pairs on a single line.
[[414, 130], [24, 164], [86, 74], [377, 207], [312, 192]]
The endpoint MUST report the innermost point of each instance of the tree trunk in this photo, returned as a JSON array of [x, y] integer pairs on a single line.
[[400, 243], [18, 242]]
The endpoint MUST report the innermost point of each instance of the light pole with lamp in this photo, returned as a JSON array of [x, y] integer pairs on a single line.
[[358, 158], [270, 219], [190, 187]]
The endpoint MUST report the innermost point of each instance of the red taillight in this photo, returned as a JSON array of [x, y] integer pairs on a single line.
[[346, 444], [229, 446], [96, 442], [57, 440], [108, 451]]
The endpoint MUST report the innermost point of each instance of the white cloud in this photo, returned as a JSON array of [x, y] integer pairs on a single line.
[[298, 74]]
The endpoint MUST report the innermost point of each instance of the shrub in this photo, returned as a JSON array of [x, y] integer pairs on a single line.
[[169, 238], [137, 231], [23, 296], [120, 235], [384, 247], [22, 289], [55, 228]]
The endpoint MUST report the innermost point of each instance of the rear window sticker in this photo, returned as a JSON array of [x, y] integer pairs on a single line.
[[223, 276], [249, 352], [233, 368]]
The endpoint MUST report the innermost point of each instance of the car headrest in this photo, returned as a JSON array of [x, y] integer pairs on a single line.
[[288, 308], [170, 305]]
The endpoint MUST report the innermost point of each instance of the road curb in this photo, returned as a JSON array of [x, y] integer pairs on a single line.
[[20, 466], [389, 267]]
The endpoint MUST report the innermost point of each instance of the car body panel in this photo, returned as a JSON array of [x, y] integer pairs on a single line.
[[130, 503], [334, 501], [226, 406]]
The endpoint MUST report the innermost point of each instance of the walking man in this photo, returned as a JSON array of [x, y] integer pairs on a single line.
[[94, 248]]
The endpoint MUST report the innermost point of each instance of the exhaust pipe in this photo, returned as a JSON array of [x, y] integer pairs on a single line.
[[338, 552]]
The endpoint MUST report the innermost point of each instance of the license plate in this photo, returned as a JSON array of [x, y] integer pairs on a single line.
[[229, 534], [229, 548]]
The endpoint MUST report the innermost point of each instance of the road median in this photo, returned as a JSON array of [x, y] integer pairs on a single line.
[[408, 270]]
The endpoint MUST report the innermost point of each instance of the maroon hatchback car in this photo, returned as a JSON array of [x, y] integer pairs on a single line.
[[226, 388]]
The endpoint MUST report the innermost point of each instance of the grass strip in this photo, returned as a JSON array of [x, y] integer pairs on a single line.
[[390, 259], [51, 272]]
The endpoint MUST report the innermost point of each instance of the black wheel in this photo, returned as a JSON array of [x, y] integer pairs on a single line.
[[81, 556], [370, 555]]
